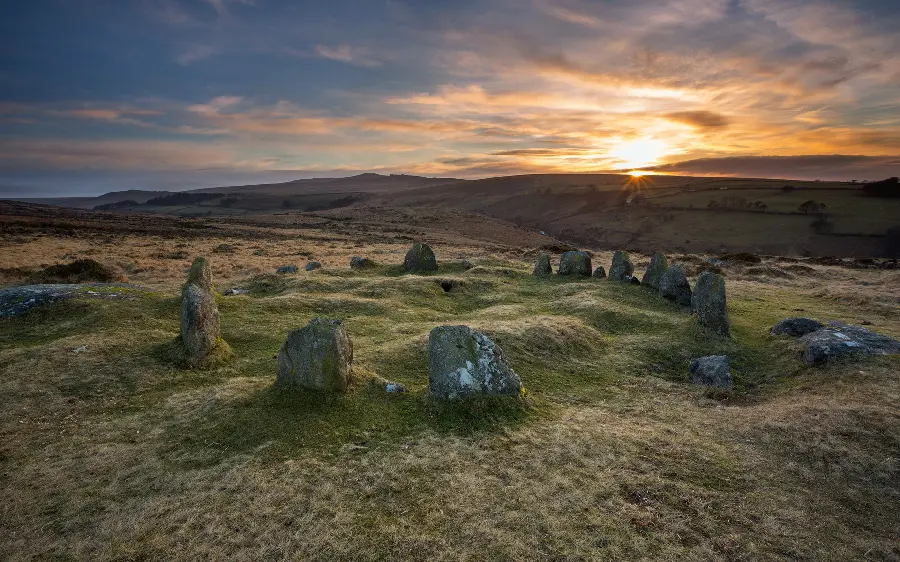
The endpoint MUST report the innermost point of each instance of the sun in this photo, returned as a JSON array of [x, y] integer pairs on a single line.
[[636, 173], [639, 153]]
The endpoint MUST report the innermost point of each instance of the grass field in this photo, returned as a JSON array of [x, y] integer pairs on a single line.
[[114, 453]]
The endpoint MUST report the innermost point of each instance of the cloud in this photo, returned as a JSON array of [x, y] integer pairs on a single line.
[[699, 119], [196, 53], [356, 56]]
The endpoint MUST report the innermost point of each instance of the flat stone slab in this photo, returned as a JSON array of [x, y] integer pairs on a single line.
[[16, 301], [843, 340]]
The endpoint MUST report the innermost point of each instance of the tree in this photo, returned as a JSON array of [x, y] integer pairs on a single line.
[[811, 208], [884, 188]]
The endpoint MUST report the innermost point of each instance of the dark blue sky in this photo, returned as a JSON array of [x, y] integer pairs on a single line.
[[97, 95]]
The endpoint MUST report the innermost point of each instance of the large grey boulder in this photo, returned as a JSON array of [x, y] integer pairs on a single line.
[[199, 323], [674, 286], [709, 303], [621, 269], [463, 362], [420, 258], [797, 327], [318, 356], [200, 274], [542, 266], [575, 263], [357, 262], [655, 271], [599, 273], [712, 370], [840, 340]]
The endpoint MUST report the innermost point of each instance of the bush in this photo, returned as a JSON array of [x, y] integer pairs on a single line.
[[884, 188]]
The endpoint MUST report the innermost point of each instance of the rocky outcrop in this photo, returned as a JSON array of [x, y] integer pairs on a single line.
[[420, 258], [621, 269], [318, 356], [709, 303], [575, 263], [542, 266], [712, 370], [655, 271], [463, 362], [843, 340], [674, 286]]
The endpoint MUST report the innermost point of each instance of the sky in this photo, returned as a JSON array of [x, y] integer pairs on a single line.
[[102, 95]]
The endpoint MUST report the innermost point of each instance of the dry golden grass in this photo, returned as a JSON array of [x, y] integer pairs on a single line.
[[114, 453]]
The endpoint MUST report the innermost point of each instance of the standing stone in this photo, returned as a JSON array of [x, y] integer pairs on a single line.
[[675, 287], [599, 273], [463, 362], [575, 263], [420, 258], [318, 356], [709, 303], [655, 271], [542, 267], [713, 370], [199, 323], [200, 274], [621, 269]]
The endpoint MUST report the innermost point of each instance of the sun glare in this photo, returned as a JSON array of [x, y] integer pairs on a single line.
[[639, 153], [636, 173]]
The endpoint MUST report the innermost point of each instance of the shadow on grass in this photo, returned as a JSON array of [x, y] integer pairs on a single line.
[[276, 424]]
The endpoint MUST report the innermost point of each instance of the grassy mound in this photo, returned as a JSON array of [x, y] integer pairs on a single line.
[[79, 271]]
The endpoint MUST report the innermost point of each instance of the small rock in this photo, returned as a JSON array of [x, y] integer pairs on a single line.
[[463, 362], [224, 248], [395, 387], [709, 303], [80, 349], [235, 292], [621, 269], [420, 258], [466, 264], [286, 269], [542, 266], [575, 263], [313, 265], [674, 286], [318, 356], [797, 327], [655, 271], [712, 370], [259, 252], [599, 273], [357, 262]]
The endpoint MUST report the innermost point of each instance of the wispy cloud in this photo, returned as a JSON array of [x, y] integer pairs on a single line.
[[356, 56]]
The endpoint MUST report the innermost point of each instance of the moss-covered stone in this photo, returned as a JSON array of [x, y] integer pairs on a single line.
[[318, 356], [420, 258], [200, 274], [463, 362], [655, 271], [199, 324], [709, 303], [542, 267], [621, 269], [674, 286], [575, 263]]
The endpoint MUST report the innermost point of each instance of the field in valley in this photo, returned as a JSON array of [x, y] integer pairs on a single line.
[[115, 453]]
